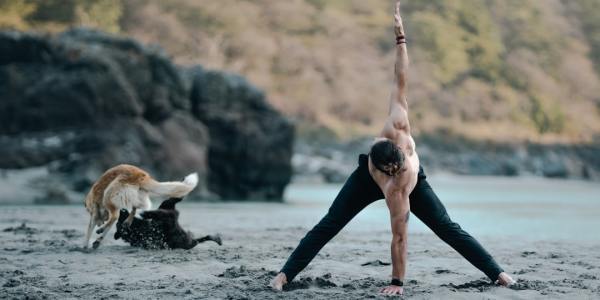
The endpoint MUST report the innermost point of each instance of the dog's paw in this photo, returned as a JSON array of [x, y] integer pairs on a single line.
[[96, 244], [84, 249]]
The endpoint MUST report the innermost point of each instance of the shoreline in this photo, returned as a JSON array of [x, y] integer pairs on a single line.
[[19, 184]]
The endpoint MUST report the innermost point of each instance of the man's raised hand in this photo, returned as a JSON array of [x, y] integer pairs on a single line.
[[398, 27]]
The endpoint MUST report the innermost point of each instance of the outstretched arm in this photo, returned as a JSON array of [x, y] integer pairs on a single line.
[[398, 110], [399, 220], [399, 206]]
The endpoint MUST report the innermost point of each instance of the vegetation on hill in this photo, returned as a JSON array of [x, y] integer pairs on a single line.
[[499, 70]]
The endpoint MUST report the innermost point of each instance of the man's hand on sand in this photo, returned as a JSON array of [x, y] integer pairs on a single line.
[[278, 282], [398, 27], [505, 280], [392, 290]]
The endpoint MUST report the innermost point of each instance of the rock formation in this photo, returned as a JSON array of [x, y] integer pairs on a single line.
[[82, 101]]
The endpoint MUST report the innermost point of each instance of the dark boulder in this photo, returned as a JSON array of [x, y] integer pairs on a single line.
[[82, 101], [251, 143]]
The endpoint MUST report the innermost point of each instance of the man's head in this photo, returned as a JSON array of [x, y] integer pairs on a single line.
[[387, 157]]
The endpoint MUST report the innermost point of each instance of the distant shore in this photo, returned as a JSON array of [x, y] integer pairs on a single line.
[[332, 161]]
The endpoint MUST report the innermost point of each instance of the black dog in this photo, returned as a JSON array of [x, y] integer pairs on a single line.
[[159, 229]]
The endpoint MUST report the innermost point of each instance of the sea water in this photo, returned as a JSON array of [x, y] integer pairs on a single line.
[[532, 208]]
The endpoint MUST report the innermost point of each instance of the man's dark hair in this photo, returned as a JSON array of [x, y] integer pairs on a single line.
[[387, 157]]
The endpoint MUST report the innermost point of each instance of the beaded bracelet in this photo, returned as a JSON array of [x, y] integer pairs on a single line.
[[400, 40]]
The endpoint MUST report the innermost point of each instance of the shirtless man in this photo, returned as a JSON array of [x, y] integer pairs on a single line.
[[391, 170]]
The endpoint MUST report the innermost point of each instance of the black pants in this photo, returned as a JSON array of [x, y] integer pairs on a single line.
[[361, 190]]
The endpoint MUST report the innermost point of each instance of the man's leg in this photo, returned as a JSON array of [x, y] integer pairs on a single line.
[[359, 191], [429, 209]]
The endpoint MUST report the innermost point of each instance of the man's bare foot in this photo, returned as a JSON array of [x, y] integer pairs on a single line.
[[278, 282], [505, 280]]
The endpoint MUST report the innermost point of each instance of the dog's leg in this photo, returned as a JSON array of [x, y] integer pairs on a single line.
[[129, 219], [214, 238], [113, 216], [116, 196], [143, 202], [102, 228], [88, 234]]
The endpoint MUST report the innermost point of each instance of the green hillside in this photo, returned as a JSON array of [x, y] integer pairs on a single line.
[[484, 69]]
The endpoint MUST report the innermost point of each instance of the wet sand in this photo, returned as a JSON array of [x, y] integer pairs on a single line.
[[42, 260]]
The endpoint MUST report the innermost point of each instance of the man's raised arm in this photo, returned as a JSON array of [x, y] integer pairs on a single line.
[[401, 66], [398, 110]]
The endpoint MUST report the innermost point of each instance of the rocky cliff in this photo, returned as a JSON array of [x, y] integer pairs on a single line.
[[82, 101]]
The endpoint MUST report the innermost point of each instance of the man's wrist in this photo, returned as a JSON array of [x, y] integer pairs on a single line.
[[400, 39], [397, 282]]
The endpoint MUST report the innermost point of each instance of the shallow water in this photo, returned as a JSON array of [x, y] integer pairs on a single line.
[[531, 208], [520, 207]]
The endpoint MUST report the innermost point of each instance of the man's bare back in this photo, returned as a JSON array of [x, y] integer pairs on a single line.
[[407, 179]]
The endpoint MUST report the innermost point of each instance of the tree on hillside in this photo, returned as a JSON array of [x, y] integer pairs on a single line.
[[56, 15]]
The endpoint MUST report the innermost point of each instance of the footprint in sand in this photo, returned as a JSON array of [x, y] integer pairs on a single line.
[[523, 284], [306, 282]]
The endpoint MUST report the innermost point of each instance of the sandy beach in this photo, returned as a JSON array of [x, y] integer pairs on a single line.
[[42, 260]]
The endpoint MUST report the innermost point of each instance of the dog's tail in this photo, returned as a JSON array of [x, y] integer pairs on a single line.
[[171, 188]]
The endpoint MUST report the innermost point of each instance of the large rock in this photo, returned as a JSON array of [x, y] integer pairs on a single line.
[[251, 144], [82, 101]]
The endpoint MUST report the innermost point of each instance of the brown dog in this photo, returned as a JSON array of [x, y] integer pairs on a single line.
[[129, 187]]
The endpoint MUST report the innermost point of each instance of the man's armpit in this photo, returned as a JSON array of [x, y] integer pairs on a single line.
[[399, 118]]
